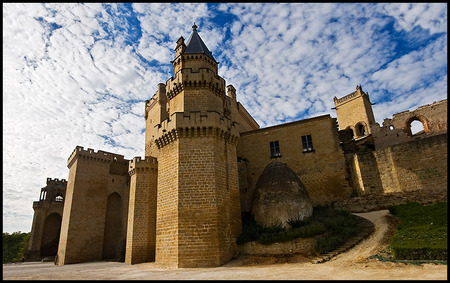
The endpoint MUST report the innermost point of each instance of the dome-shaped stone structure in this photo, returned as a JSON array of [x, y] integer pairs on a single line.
[[279, 196]]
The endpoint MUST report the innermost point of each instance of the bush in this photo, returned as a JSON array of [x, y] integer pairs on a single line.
[[336, 226], [422, 232]]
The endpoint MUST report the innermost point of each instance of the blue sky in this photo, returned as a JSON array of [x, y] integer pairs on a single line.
[[78, 74]]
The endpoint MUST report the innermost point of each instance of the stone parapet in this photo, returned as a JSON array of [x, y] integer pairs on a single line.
[[203, 78], [138, 164], [40, 205], [196, 124], [100, 156]]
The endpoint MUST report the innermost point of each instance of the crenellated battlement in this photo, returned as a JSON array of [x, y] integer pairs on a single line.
[[194, 60], [196, 124], [358, 93], [40, 205], [137, 164], [188, 78], [100, 156], [56, 181]]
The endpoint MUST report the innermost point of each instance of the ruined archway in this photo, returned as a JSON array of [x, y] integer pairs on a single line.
[[50, 235], [113, 227], [409, 128]]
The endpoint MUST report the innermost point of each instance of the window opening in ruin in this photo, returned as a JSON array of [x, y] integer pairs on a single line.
[[274, 149], [59, 197], [416, 127], [307, 143]]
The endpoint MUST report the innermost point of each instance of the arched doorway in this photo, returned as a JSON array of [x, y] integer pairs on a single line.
[[113, 227], [50, 235]]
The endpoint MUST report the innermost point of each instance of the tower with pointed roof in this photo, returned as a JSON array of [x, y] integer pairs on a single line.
[[193, 123]]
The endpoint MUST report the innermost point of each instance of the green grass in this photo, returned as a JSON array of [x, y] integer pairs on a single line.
[[422, 232], [333, 226]]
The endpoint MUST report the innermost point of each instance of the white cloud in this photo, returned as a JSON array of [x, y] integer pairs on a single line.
[[432, 16]]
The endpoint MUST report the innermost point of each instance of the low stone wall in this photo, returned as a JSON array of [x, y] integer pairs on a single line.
[[374, 202], [304, 246]]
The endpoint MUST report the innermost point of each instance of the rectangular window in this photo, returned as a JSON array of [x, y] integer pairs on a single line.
[[307, 143], [274, 149]]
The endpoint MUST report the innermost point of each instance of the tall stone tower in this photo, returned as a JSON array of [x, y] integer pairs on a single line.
[[354, 111], [193, 130], [95, 211]]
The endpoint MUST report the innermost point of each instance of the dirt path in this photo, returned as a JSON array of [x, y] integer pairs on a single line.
[[350, 265]]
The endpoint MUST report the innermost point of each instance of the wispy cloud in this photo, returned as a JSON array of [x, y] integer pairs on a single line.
[[78, 74]]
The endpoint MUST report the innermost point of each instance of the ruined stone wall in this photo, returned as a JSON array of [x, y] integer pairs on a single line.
[[397, 130], [322, 171]]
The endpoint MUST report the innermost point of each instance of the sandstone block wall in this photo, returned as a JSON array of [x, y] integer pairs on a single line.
[[198, 214], [85, 209], [167, 210], [322, 171], [141, 229], [414, 165]]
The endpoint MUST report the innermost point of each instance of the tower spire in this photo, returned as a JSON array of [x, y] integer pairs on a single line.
[[195, 44]]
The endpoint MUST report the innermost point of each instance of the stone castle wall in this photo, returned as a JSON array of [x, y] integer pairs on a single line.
[[414, 165], [322, 170]]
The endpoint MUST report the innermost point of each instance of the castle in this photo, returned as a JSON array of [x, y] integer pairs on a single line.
[[181, 205]]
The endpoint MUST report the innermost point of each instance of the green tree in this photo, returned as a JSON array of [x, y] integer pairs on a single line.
[[15, 246]]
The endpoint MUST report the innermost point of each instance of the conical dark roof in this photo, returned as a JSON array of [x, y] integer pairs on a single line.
[[195, 45]]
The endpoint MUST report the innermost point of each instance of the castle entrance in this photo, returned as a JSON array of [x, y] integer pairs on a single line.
[[113, 227], [50, 235]]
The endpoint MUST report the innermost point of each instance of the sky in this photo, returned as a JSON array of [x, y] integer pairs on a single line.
[[78, 74]]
